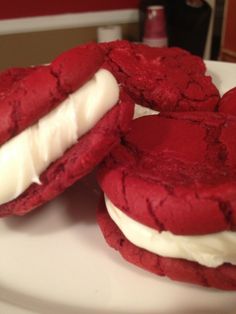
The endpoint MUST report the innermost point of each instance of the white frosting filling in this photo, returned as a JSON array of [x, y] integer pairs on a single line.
[[140, 111], [210, 250], [27, 155]]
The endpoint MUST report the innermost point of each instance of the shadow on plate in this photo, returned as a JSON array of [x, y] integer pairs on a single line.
[[46, 307]]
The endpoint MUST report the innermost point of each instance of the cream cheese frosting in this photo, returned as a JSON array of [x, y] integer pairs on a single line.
[[140, 111], [211, 250], [24, 157]]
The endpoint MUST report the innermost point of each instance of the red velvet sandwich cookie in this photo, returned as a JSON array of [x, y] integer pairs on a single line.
[[227, 103], [164, 79], [170, 197], [57, 122]]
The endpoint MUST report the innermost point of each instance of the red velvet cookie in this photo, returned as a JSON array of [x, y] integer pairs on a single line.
[[164, 79], [30, 94], [176, 172], [222, 277], [10, 77], [227, 103]]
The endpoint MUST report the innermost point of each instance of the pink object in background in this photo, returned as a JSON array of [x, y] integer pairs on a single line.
[[155, 27]]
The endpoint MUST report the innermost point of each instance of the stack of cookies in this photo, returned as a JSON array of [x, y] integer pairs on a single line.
[[169, 179]]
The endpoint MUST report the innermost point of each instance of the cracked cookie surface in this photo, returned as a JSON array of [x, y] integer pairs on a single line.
[[164, 79]]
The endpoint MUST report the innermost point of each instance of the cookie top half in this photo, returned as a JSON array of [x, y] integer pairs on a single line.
[[176, 172], [227, 103], [164, 79]]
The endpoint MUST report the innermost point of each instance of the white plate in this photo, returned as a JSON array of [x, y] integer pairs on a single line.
[[55, 260], [223, 74]]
